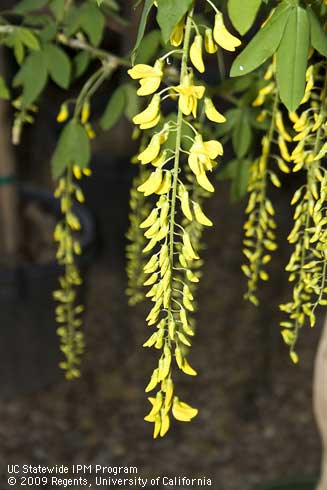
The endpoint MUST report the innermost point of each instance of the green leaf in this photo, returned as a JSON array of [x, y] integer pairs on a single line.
[[264, 44], [114, 109], [27, 37], [142, 25], [292, 58], [4, 91], [81, 63], [58, 65], [242, 134], [32, 76], [49, 32], [92, 22], [243, 13], [57, 7], [19, 51], [73, 148], [29, 5], [169, 14], [148, 47], [318, 35], [73, 20], [13, 41]]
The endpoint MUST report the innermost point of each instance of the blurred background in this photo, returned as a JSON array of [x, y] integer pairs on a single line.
[[255, 421]]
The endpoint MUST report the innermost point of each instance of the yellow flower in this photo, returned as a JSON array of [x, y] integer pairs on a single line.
[[176, 37], [196, 53], [222, 36], [189, 95], [152, 183], [89, 131], [87, 172], [77, 172], [149, 76], [280, 126], [294, 357], [150, 114], [151, 151], [182, 411], [262, 94], [63, 113], [201, 158], [150, 124], [85, 112], [283, 149], [211, 111], [209, 43], [202, 154], [200, 216]]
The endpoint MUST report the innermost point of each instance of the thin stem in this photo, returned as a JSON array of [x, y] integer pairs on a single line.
[[179, 137], [213, 6], [96, 52]]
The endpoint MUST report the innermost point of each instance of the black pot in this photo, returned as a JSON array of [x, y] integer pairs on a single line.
[[29, 346], [304, 484]]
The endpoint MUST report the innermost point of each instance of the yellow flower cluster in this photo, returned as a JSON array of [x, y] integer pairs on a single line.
[[260, 238], [68, 311], [136, 241], [178, 165], [307, 266], [85, 112]]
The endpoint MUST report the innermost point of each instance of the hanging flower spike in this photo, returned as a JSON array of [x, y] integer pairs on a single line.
[[135, 258], [196, 53], [68, 312], [150, 77], [173, 227], [222, 36], [189, 95], [259, 228], [307, 266]]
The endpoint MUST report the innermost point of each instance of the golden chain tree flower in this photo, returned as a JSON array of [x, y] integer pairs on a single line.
[[259, 229], [137, 241], [189, 94], [222, 36], [307, 266], [68, 312], [176, 183], [150, 77]]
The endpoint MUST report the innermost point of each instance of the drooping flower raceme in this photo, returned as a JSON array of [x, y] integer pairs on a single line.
[[259, 229], [68, 312], [178, 160], [307, 266]]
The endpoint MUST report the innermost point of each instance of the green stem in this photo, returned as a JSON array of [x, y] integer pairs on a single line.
[[96, 52], [86, 89], [178, 139]]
